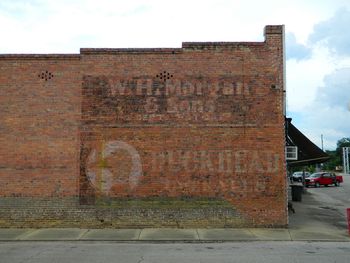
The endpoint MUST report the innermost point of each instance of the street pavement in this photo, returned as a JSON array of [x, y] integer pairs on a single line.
[[322, 211], [160, 252], [333, 201]]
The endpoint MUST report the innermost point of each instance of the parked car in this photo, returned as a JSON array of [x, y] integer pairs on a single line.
[[298, 176], [323, 178]]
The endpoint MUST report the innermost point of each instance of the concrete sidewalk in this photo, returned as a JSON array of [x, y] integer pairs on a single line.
[[311, 222], [174, 235]]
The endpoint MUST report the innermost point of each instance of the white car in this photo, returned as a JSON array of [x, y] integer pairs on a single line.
[[298, 176]]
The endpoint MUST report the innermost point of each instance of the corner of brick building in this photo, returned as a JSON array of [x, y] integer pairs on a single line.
[[189, 137]]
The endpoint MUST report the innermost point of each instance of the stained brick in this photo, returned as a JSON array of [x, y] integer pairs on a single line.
[[184, 137]]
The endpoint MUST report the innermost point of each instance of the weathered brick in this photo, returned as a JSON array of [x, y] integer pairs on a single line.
[[183, 137]]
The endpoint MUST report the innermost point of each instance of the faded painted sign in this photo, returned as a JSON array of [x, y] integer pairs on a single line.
[[146, 100], [136, 167]]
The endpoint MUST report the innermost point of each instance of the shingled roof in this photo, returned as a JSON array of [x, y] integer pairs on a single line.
[[308, 152]]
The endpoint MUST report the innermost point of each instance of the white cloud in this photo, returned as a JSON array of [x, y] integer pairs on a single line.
[[65, 25], [319, 87], [331, 122], [336, 91], [295, 50], [327, 113], [304, 77], [332, 33]]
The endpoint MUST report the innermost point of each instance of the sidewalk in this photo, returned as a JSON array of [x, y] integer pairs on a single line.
[[310, 223], [173, 235]]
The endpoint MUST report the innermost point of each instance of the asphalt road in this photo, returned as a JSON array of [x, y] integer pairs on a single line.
[[57, 252], [333, 199], [337, 196]]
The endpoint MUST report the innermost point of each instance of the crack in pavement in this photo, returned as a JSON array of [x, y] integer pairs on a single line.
[[141, 259]]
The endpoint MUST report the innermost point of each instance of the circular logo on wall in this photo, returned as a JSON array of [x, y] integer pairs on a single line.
[[114, 168]]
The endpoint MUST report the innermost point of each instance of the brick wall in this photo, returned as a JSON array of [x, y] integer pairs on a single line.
[[185, 137]]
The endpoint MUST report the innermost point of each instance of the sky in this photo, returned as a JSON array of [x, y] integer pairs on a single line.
[[317, 41]]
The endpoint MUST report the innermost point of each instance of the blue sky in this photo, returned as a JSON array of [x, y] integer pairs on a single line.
[[317, 41]]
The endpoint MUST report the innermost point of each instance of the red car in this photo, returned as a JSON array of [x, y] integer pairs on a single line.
[[323, 178]]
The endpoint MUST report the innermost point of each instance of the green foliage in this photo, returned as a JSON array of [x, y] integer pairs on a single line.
[[345, 142], [311, 169], [333, 161], [337, 155]]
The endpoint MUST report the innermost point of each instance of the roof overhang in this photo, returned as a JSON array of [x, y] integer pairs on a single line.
[[308, 152]]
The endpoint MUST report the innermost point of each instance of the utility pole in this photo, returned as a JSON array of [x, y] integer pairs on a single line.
[[346, 151], [322, 141]]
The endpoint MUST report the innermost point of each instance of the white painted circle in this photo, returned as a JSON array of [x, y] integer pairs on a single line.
[[106, 182]]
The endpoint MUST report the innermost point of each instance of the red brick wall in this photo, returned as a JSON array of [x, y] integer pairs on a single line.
[[202, 147], [40, 112]]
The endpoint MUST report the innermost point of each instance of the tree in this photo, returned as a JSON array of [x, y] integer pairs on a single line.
[[332, 162], [336, 157], [345, 142]]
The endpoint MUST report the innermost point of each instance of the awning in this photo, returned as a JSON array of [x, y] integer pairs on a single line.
[[308, 152]]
